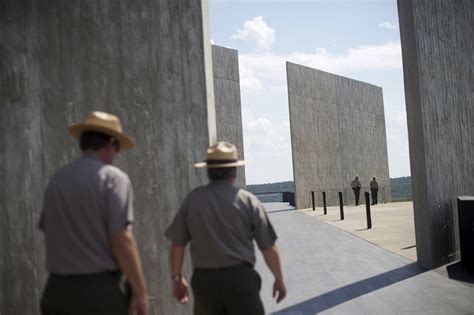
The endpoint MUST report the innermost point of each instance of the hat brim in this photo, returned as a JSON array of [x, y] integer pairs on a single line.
[[126, 142], [233, 164]]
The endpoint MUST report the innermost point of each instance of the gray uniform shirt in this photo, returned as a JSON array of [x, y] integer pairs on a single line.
[[374, 184], [85, 203], [221, 221], [355, 183]]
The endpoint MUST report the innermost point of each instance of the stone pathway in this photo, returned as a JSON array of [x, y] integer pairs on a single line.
[[393, 226], [329, 271]]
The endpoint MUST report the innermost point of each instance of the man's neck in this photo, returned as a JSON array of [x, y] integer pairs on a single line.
[[95, 154]]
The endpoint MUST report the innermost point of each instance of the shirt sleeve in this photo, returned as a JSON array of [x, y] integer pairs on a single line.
[[263, 231], [119, 199], [178, 231]]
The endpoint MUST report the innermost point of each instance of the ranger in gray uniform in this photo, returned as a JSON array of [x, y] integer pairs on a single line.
[[221, 221], [355, 185], [374, 189], [86, 219]]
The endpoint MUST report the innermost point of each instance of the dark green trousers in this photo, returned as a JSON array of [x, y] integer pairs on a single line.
[[356, 195], [374, 192], [227, 291], [104, 294]]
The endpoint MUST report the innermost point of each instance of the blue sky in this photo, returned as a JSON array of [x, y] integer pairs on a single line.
[[356, 39]]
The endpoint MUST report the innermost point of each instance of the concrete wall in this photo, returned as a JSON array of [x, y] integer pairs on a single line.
[[337, 132], [438, 58], [147, 62], [227, 101]]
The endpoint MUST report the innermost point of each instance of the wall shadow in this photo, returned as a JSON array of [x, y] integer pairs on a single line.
[[354, 290]]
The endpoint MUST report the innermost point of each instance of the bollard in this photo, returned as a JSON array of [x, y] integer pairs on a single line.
[[312, 200], [367, 209], [341, 205], [324, 203]]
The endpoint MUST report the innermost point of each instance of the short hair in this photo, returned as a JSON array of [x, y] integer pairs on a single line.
[[93, 140], [220, 173]]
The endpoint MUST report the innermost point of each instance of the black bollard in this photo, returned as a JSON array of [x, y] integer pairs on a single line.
[[341, 205], [312, 200], [324, 203], [367, 209]]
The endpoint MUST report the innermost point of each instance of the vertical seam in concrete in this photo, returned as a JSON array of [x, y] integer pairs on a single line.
[[291, 131], [208, 74]]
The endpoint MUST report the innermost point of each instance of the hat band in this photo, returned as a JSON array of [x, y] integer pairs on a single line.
[[216, 162]]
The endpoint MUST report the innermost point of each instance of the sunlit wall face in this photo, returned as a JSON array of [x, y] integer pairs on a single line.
[[337, 132]]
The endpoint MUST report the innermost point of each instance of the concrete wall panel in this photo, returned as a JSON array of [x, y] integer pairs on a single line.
[[227, 101], [143, 61], [337, 131], [438, 59]]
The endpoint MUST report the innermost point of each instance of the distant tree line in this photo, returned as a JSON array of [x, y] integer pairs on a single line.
[[400, 188]]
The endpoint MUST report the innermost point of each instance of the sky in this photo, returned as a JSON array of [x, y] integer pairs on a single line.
[[355, 39]]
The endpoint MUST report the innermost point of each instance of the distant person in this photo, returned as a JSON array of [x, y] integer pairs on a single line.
[[220, 221], [374, 190], [91, 255], [355, 185]]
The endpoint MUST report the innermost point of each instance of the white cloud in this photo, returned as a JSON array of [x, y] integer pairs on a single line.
[[248, 82], [391, 26], [263, 66], [397, 143], [267, 149], [256, 30], [212, 41]]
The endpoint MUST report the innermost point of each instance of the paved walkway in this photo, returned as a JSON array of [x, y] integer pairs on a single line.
[[393, 225], [329, 271]]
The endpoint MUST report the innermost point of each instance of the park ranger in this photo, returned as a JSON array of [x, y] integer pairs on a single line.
[[220, 221], [355, 185], [374, 189], [86, 219]]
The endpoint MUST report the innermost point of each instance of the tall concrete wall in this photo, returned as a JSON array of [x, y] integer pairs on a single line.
[[149, 62], [337, 131], [438, 63], [225, 63]]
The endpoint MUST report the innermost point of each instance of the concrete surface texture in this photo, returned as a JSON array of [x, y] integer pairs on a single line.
[[148, 63], [392, 225], [225, 63], [438, 63], [329, 271], [337, 131]]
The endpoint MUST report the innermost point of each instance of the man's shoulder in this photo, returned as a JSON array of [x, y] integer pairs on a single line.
[[114, 173], [247, 194], [63, 171], [249, 198]]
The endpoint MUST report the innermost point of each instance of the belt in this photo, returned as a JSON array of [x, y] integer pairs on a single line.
[[243, 264], [117, 272]]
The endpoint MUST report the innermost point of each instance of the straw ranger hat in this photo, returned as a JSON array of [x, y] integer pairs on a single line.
[[105, 123], [222, 154]]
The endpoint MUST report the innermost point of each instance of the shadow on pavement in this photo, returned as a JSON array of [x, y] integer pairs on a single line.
[[354, 290]]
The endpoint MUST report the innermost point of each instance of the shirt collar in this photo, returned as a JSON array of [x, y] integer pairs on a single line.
[[91, 156], [222, 183]]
